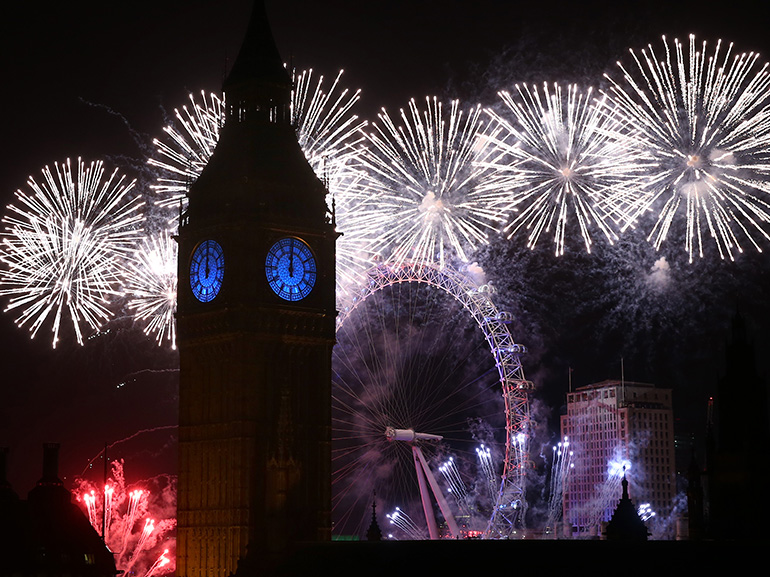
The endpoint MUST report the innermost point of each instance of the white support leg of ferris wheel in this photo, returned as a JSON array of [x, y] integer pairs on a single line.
[[426, 480], [427, 506]]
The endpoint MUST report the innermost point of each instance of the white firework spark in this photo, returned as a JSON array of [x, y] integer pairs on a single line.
[[704, 141], [327, 129], [431, 192], [151, 287], [355, 252], [566, 162], [64, 246], [189, 146]]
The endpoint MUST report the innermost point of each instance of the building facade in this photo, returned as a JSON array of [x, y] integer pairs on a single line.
[[616, 428], [256, 327]]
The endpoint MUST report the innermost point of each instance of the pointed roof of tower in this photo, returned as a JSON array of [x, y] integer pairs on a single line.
[[374, 533], [258, 59], [258, 166], [626, 525]]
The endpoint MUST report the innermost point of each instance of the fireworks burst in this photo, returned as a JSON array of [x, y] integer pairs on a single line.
[[566, 162], [133, 522], [703, 138], [189, 147], [431, 191], [64, 244], [151, 286], [328, 132]]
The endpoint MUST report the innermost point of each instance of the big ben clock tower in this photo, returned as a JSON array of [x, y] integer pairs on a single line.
[[256, 327]]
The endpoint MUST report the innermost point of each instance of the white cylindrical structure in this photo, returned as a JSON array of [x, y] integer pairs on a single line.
[[409, 436]]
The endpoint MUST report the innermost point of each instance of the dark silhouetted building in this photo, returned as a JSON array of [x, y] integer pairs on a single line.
[[374, 533], [48, 535], [256, 327], [625, 524], [737, 475]]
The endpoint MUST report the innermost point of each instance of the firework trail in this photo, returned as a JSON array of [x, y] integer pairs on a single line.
[[64, 246], [455, 483], [151, 287], [484, 455], [603, 505], [89, 500], [566, 161], [134, 500], [431, 192], [109, 492], [561, 466], [645, 512], [100, 454], [149, 528], [158, 567], [703, 140], [404, 522]]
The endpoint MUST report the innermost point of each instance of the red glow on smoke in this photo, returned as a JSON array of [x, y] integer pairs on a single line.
[[139, 520]]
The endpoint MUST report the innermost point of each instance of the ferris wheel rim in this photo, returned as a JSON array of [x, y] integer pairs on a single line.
[[476, 300]]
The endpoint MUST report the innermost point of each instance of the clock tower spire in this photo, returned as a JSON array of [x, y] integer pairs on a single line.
[[256, 326]]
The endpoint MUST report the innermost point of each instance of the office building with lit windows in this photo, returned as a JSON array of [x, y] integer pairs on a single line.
[[617, 428]]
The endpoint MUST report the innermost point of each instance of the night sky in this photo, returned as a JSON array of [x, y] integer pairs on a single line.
[[101, 80]]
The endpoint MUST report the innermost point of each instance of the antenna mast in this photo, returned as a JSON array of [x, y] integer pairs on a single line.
[[104, 497]]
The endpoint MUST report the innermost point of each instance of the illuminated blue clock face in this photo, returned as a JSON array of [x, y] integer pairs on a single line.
[[207, 269], [290, 268]]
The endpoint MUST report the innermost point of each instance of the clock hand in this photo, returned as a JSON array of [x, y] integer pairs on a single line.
[[291, 259]]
